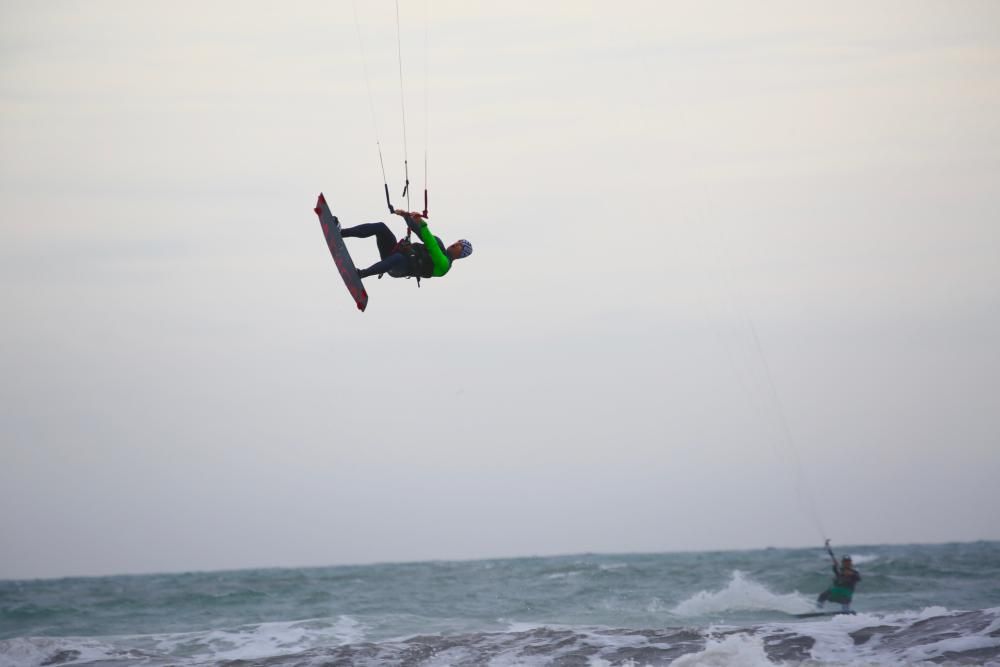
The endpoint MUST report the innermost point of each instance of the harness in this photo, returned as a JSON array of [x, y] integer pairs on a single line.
[[420, 263]]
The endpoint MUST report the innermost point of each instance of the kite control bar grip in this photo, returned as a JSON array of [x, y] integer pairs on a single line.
[[387, 200]]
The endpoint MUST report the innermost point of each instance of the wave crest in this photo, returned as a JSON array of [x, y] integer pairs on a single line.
[[742, 594]]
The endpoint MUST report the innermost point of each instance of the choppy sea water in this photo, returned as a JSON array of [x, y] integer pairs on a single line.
[[916, 604]]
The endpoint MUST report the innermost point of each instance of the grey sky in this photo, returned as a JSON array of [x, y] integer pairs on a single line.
[[651, 188]]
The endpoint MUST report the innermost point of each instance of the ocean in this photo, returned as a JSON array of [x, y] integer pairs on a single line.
[[916, 604]]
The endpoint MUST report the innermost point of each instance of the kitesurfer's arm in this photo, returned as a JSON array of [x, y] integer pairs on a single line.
[[836, 570], [439, 259]]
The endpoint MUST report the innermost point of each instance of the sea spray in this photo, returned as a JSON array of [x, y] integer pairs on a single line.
[[742, 594]]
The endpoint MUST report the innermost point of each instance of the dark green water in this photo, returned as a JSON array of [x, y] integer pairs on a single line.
[[272, 613]]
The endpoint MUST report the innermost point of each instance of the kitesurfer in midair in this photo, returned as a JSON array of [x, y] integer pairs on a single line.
[[401, 258], [845, 578]]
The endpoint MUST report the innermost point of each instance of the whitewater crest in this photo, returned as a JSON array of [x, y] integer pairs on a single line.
[[742, 594], [949, 638]]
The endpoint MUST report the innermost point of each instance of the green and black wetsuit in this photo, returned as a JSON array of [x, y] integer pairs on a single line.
[[402, 258], [428, 259]]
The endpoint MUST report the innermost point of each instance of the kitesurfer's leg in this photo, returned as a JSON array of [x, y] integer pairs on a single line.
[[383, 236], [396, 261]]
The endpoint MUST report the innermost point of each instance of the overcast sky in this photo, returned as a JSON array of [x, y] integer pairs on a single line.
[[736, 280]]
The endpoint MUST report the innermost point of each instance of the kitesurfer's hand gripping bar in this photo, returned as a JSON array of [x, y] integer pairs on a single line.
[[388, 201]]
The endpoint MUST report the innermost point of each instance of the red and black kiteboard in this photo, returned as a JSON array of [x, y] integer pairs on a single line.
[[342, 258]]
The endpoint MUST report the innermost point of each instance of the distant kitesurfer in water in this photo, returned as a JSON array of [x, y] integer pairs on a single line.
[[845, 578], [400, 258]]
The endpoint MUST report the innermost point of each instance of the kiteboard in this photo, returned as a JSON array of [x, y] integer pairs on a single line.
[[342, 258], [814, 614]]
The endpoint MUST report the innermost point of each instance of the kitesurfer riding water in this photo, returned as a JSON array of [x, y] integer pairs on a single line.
[[845, 578], [401, 258]]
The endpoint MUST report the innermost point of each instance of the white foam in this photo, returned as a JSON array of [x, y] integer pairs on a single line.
[[564, 575], [657, 606], [252, 642], [23, 651], [737, 650], [269, 639], [588, 636], [521, 626], [861, 559], [742, 594], [954, 644], [833, 643], [931, 651], [932, 612], [613, 566]]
